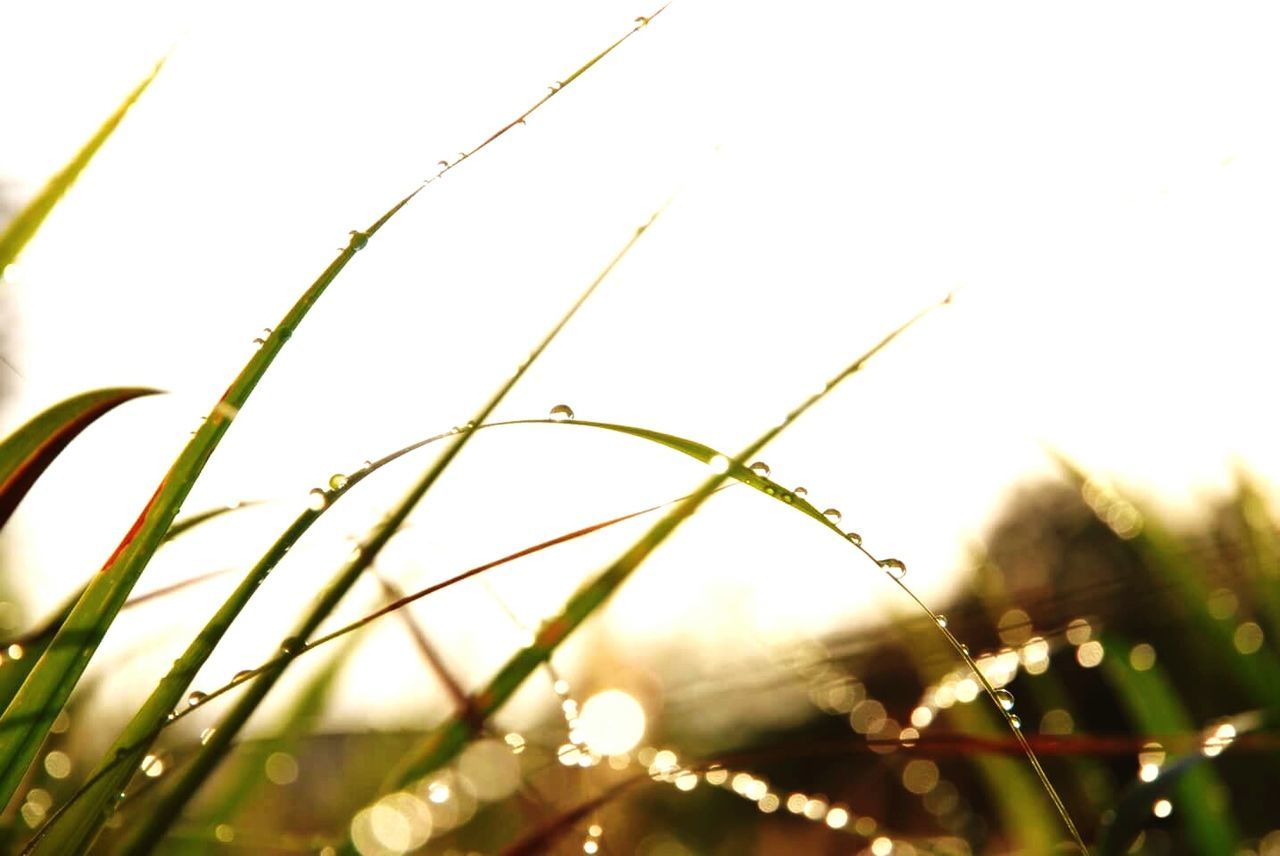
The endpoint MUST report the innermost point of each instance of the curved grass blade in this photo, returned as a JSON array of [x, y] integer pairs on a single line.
[[28, 451], [445, 741], [27, 718], [27, 221], [170, 804]]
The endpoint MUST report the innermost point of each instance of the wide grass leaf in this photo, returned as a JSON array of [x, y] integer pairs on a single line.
[[27, 222], [27, 452]]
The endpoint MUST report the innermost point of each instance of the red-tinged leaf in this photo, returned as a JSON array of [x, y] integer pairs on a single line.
[[27, 452]]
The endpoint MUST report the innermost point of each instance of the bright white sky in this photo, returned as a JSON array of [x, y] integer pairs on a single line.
[[1101, 180]]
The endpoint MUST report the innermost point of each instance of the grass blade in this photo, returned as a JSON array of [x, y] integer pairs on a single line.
[[445, 741], [28, 451], [170, 805], [27, 221]]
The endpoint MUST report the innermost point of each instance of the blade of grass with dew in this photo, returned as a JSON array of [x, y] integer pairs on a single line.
[[28, 451], [27, 221], [445, 741], [148, 834], [1153, 707], [244, 676], [300, 720], [28, 716]]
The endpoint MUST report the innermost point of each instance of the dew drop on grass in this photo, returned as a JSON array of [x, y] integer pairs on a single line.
[[242, 675], [195, 698], [832, 514], [337, 481], [1015, 720], [555, 86], [761, 469], [1005, 698], [854, 538], [942, 621], [291, 645], [896, 568], [561, 413], [317, 499], [801, 491]]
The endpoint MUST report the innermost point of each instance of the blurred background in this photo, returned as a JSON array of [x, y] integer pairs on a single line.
[[1097, 187]]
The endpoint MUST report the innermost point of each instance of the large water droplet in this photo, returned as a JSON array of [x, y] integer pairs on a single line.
[[196, 698], [761, 469], [561, 413], [896, 568], [854, 538], [942, 620], [801, 491], [291, 645], [1015, 720], [337, 481], [832, 514], [317, 499], [1005, 698]]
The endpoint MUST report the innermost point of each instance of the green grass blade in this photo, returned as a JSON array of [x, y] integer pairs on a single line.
[[445, 741], [27, 222], [170, 805], [28, 451], [1153, 707], [27, 718]]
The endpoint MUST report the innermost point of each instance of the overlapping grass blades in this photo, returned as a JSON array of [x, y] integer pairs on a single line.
[[28, 716], [29, 450], [447, 740], [149, 832], [27, 222]]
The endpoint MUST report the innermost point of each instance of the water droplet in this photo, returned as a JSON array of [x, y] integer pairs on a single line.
[[555, 86], [761, 469], [801, 491], [561, 413], [291, 645], [642, 20], [359, 240], [196, 698], [770, 491], [854, 538], [1015, 720], [942, 620], [1005, 698], [317, 499], [964, 649], [896, 568], [833, 514], [242, 675], [337, 481]]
